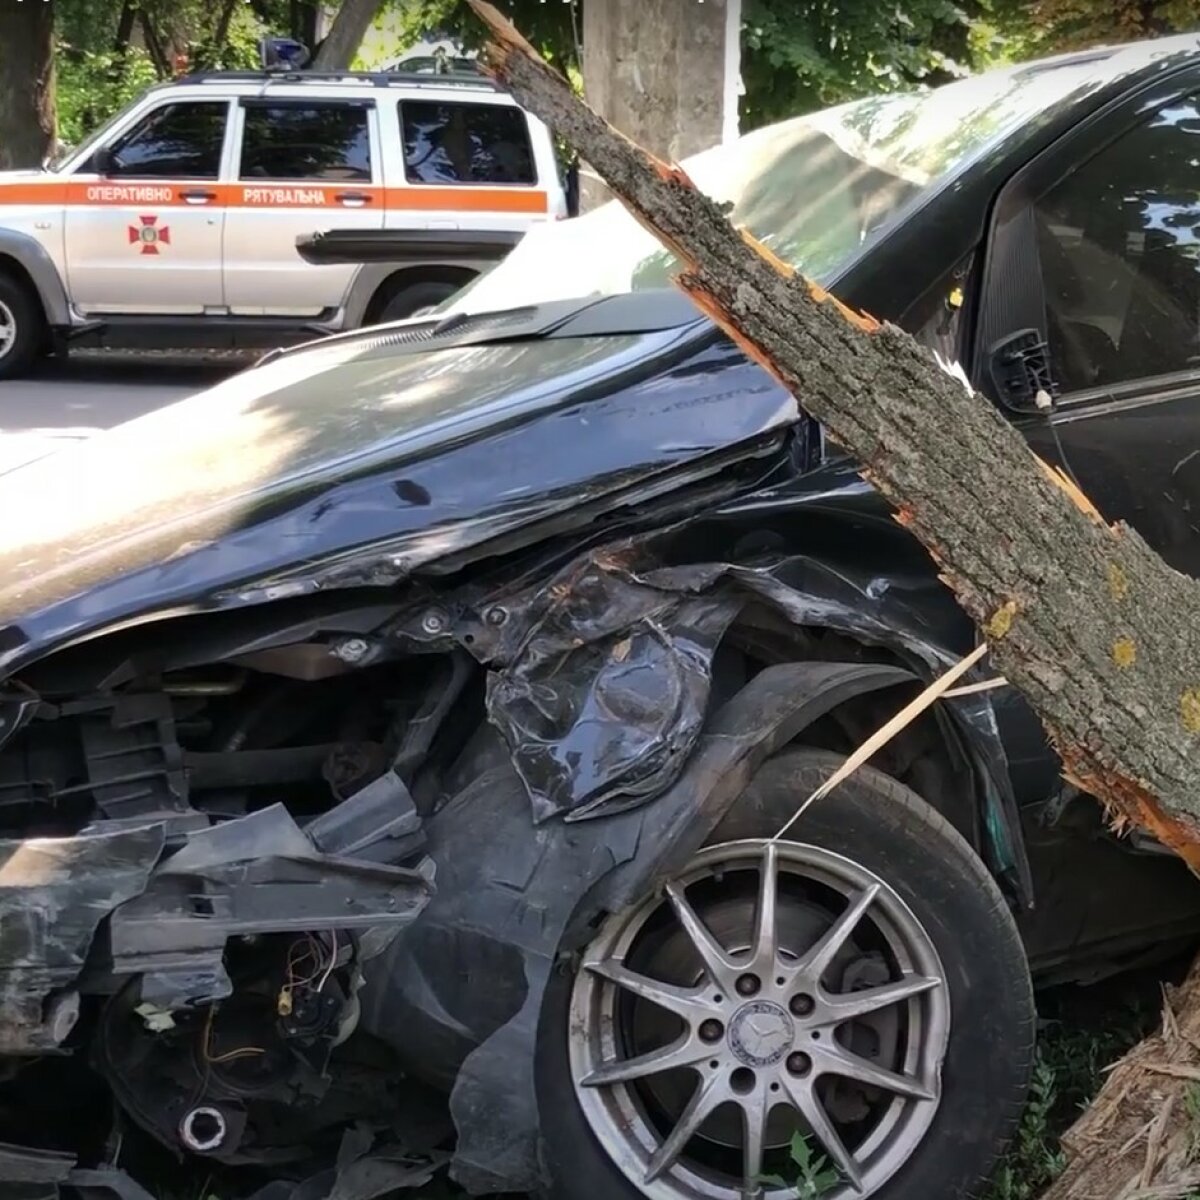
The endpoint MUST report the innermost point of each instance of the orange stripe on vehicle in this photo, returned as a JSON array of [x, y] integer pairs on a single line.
[[418, 198], [53, 192], [468, 199]]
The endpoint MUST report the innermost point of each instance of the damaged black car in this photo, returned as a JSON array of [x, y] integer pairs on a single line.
[[401, 743]]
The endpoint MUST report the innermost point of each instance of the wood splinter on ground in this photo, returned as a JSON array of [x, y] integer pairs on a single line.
[[1098, 633]]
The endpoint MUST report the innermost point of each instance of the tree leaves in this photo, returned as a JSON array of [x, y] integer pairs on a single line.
[[795, 57]]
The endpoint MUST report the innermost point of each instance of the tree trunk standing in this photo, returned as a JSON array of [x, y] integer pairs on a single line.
[[641, 63], [28, 126], [154, 46], [221, 34], [303, 21], [1098, 633], [124, 28], [349, 27]]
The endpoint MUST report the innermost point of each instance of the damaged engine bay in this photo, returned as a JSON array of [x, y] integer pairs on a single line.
[[243, 887], [268, 884]]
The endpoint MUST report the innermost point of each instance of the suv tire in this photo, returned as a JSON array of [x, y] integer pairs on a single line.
[[409, 301], [887, 833], [22, 328]]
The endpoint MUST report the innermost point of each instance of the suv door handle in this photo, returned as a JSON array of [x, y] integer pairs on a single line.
[[198, 195], [353, 197]]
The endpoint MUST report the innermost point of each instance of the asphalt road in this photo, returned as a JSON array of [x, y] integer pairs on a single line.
[[94, 391]]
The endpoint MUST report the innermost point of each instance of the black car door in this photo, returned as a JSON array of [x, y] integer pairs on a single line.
[[1093, 272]]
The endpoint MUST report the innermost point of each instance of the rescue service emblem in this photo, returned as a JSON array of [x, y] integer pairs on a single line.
[[149, 235]]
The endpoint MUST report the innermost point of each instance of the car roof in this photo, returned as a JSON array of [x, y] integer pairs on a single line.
[[1117, 63], [478, 88]]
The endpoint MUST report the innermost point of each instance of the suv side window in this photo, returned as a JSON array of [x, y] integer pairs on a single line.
[[321, 140], [176, 141], [466, 143], [1119, 243]]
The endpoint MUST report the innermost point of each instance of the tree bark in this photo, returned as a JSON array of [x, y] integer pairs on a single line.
[[1097, 632], [28, 126], [154, 46], [124, 28], [221, 35], [349, 27], [1100, 635], [641, 61]]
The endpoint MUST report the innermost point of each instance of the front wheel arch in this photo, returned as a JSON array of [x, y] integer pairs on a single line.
[[933, 755], [410, 277]]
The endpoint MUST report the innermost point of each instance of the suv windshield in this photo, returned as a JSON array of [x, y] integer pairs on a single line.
[[814, 189]]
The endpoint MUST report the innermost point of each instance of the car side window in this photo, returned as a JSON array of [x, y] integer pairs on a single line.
[[329, 141], [177, 141], [1119, 244], [466, 143]]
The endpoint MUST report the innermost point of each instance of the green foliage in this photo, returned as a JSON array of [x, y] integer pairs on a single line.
[[800, 57], [93, 85], [1052, 26], [1075, 1049], [795, 57], [1036, 1159], [100, 71], [814, 1175], [554, 29]]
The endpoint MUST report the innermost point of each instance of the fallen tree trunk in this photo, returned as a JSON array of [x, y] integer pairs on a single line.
[[1097, 632], [1089, 623]]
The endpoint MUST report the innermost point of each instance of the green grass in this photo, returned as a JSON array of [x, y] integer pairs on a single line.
[[1083, 1031]]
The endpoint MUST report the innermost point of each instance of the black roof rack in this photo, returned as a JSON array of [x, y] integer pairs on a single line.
[[377, 78]]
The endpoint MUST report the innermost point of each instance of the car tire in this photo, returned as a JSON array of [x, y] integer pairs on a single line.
[[414, 299], [22, 328], [883, 830]]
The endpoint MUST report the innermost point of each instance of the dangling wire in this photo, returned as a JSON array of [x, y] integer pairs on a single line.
[[229, 1055], [333, 953]]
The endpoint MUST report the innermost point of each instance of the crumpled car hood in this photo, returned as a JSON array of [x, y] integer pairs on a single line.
[[242, 492]]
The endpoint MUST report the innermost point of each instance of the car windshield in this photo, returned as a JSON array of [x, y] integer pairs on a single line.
[[814, 189]]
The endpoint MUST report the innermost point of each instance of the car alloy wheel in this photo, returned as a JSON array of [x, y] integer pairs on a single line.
[[8, 329], [776, 989]]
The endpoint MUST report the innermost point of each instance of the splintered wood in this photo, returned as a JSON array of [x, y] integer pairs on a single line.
[[1140, 1137]]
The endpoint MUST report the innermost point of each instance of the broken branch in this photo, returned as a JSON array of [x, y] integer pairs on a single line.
[[1113, 671]]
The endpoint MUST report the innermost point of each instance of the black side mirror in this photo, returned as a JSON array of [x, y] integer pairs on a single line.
[[1021, 374], [102, 161]]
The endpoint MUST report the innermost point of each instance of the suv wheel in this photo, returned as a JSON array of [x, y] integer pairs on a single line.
[[863, 986], [416, 299], [22, 328]]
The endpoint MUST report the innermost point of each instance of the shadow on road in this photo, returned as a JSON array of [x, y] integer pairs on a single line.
[[155, 368], [91, 390]]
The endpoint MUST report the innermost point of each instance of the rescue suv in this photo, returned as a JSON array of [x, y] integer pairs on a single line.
[[178, 222]]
